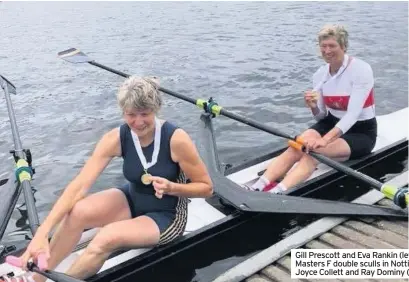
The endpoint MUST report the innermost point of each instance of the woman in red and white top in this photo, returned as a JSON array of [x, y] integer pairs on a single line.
[[342, 101]]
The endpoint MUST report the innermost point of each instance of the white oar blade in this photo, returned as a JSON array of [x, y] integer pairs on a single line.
[[4, 82], [73, 55]]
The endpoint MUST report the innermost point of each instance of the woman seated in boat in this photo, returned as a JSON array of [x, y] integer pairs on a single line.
[[151, 209], [342, 102]]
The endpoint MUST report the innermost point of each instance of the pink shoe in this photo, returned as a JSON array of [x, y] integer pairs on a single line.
[[270, 186]]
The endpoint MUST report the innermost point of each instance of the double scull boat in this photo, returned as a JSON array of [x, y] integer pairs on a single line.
[[232, 207]]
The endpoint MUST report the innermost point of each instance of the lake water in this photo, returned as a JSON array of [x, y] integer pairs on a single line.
[[254, 58]]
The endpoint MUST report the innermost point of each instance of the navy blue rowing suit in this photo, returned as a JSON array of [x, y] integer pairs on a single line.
[[170, 212]]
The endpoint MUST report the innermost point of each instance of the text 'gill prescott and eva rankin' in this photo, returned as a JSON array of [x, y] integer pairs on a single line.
[[350, 263]]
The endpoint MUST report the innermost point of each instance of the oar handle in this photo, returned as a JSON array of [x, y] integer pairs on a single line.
[[41, 268], [17, 262]]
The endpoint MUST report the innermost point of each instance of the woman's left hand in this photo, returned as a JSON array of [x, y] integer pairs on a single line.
[[319, 143], [161, 186]]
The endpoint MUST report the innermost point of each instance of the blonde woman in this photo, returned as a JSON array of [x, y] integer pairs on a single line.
[[342, 102], [150, 209]]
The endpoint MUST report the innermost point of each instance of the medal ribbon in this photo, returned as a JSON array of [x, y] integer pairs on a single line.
[[156, 146]]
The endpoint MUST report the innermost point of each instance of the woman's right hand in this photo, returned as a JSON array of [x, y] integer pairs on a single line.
[[38, 245], [311, 98]]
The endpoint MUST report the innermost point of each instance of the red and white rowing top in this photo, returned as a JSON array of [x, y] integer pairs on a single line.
[[348, 95]]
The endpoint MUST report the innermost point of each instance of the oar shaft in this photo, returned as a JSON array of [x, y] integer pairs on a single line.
[[120, 73], [255, 124], [109, 69], [223, 112], [347, 170], [16, 136], [28, 195], [177, 95]]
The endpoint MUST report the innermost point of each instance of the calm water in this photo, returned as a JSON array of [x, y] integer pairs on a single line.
[[253, 58]]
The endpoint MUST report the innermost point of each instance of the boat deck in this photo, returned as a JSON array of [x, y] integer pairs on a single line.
[[357, 233]]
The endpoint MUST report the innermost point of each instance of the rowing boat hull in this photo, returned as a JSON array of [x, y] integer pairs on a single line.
[[227, 240], [208, 221]]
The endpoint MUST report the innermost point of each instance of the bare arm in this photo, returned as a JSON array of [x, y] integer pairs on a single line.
[[185, 153], [107, 148]]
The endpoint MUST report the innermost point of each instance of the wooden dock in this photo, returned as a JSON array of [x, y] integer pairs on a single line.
[[274, 263]]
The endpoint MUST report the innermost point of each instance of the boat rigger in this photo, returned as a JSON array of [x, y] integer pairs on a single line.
[[23, 174], [23, 171]]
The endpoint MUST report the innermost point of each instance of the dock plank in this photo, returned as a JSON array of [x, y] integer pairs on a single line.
[[356, 233], [277, 274], [340, 243], [392, 226], [361, 238], [315, 244], [385, 235], [285, 262]]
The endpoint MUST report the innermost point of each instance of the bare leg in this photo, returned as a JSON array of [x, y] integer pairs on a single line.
[[136, 233], [96, 210], [301, 172], [284, 162], [338, 150]]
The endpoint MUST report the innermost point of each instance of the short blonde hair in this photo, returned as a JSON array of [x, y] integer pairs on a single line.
[[337, 31], [140, 93]]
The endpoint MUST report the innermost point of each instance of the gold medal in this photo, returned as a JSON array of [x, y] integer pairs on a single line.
[[146, 178]]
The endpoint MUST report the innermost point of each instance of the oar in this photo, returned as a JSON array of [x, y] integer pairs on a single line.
[[74, 55], [22, 157], [40, 268], [399, 196]]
